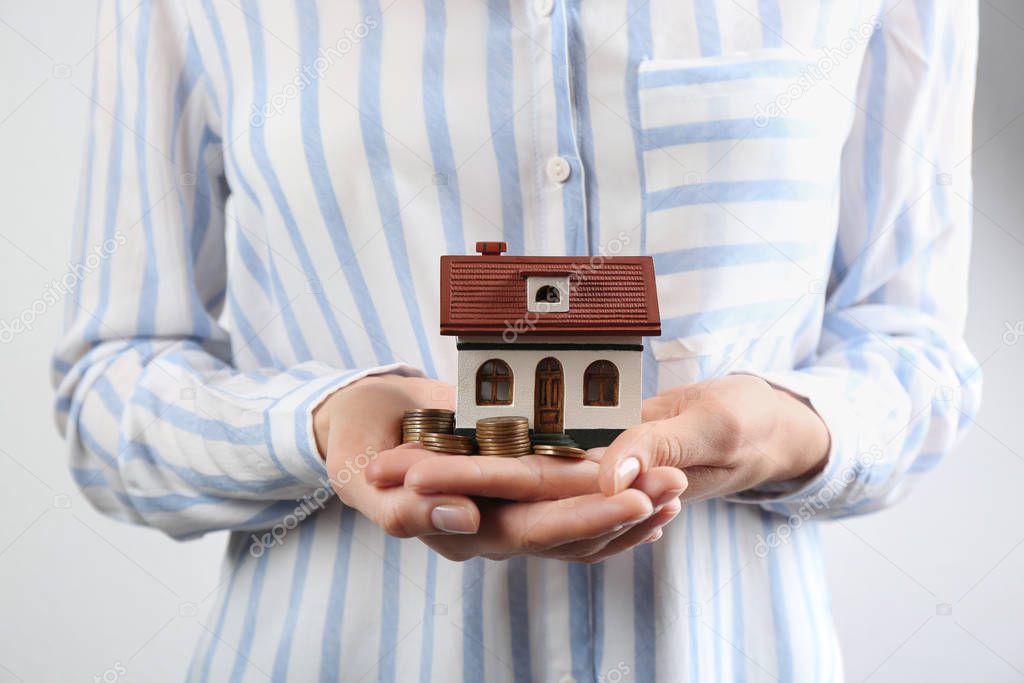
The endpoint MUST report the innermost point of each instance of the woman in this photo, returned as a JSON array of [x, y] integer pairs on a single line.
[[277, 181]]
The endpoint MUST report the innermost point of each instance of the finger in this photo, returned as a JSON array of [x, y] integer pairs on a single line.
[[405, 514], [662, 484], [710, 482], [651, 444], [645, 532], [391, 466], [595, 549], [528, 478], [516, 528]]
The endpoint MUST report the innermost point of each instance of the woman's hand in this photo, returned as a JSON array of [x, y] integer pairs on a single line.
[[535, 504], [356, 424], [727, 435], [556, 511]]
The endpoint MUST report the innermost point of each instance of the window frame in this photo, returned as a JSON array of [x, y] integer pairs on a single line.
[[494, 378], [597, 372], [534, 283]]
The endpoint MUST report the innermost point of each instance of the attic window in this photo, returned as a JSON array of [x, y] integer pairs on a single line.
[[547, 293]]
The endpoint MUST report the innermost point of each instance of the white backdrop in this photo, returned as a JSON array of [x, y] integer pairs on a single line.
[[928, 590]]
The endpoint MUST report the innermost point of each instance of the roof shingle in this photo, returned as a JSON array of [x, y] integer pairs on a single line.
[[607, 295]]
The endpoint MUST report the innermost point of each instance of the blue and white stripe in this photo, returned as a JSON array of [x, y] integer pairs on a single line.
[[269, 187]]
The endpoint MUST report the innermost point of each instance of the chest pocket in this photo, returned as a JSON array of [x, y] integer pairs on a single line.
[[741, 163]]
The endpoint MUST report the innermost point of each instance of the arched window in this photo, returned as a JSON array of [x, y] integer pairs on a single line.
[[548, 294], [494, 383], [601, 384]]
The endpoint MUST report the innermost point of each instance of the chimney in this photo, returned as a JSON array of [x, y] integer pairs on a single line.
[[491, 248]]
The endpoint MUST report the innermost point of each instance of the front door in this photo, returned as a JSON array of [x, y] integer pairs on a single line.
[[548, 395]]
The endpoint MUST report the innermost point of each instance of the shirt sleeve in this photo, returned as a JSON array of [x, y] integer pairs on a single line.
[[892, 377], [161, 428]]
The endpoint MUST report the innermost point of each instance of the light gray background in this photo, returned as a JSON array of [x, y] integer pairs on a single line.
[[929, 590]]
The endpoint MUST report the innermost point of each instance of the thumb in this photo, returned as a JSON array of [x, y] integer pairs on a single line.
[[638, 450]]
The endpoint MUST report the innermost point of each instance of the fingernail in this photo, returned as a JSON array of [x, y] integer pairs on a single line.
[[667, 497], [453, 519], [654, 537], [626, 473]]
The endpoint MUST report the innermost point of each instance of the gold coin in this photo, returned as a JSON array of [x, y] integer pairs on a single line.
[[502, 419], [426, 421], [448, 449], [525, 450], [454, 439], [443, 412], [437, 429], [502, 428], [503, 437], [560, 451]]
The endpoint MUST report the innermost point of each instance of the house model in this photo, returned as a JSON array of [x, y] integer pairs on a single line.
[[558, 340]]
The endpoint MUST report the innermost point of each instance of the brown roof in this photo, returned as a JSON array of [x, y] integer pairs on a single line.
[[486, 294]]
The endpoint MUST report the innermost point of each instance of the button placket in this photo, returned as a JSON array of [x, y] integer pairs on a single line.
[[565, 168]]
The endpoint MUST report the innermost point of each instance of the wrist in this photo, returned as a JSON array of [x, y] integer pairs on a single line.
[[322, 425], [803, 439]]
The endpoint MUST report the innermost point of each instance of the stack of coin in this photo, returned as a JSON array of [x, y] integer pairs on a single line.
[[426, 421], [560, 451], [503, 436], [447, 443]]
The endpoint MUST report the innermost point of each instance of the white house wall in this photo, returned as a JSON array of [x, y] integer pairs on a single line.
[[524, 365]]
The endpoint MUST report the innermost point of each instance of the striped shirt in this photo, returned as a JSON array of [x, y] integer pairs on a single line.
[[267, 188]]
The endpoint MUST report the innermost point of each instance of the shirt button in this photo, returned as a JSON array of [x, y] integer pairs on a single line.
[[559, 169], [545, 7]]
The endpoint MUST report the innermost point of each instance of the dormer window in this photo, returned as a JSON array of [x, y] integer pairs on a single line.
[[547, 294]]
